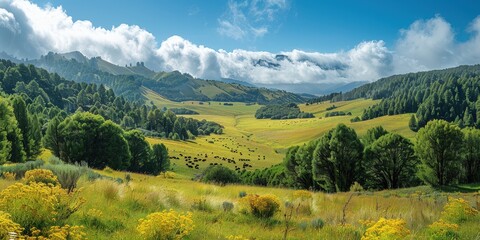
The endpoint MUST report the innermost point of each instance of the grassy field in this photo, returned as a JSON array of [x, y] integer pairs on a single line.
[[112, 210], [262, 142]]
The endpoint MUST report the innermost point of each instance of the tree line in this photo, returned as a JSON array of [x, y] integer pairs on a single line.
[[282, 111], [443, 154]]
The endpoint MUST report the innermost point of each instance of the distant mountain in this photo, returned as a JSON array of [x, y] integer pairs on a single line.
[[235, 81], [318, 89], [129, 80]]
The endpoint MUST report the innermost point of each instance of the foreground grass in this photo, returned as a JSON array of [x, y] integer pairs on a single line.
[[112, 210]]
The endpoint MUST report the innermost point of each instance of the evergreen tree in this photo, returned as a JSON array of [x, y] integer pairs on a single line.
[[52, 139], [10, 135], [471, 155], [413, 124], [21, 115], [140, 151], [113, 148], [159, 161]]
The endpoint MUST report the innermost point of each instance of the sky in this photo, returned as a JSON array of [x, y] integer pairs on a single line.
[[269, 42]]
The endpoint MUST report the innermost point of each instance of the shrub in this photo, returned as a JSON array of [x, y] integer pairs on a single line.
[[201, 204], [387, 229], [38, 205], [356, 187], [108, 170], [170, 175], [457, 210], [303, 200], [441, 230], [67, 174], [8, 226], [220, 175], [262, 206], [20, 169], [66, 232], [111, 190], [9, 176], [41, 176], [242, 194], [227, 206], [165, 225], [317, 223]]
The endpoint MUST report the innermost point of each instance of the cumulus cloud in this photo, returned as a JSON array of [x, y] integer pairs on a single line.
[[28, 31], [249, 19]]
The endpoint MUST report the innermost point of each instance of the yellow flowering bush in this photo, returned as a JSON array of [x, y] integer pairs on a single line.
[[66, 232], [387, 229], [443, 230], [457, 210], [262, 206], [41, 175], [9, 176], [37, 205], [7, 225], [168, 225]]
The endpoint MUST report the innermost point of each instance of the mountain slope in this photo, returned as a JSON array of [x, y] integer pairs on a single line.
[[176, 86]]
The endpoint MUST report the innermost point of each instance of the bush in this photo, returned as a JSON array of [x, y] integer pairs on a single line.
[[9, 176], [317, 223], [201, 204], [227, 206], [387, 229], [8, 226], [38, 205], [220, 175], [67, 174], [303, 200], [457, 210], [41, 176], [66, 232], [165, 225], [441, 230], [242, 194], [262, 206], [20, 169]]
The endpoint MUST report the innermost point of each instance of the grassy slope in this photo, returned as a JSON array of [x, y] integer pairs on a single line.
[[123, 205], [263, 137]]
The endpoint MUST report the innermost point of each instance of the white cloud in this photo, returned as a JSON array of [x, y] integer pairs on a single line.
[[249, 19], [27, 30]]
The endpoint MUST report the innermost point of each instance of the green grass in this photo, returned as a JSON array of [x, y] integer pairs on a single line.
[[265, 137], [123, 205]]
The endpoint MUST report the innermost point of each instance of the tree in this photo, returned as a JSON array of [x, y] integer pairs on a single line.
[[413, 124], [159, 161], [52, 139], [390, 162], [35, 136], [21, 114], [471, 158], [113, 147], [337, 158], [438, 145], [10, 135], [140, 151], [373, 134]]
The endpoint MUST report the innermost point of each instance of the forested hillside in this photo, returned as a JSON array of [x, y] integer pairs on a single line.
[[79, 121], [127, 81], [450, 94]]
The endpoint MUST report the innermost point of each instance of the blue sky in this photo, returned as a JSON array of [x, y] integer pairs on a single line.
[[321, 42], [325, 26]]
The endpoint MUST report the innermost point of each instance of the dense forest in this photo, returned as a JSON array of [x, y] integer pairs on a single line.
[[67, 117], [443, 155], [128, 81], [450, 94], [284, 111]]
